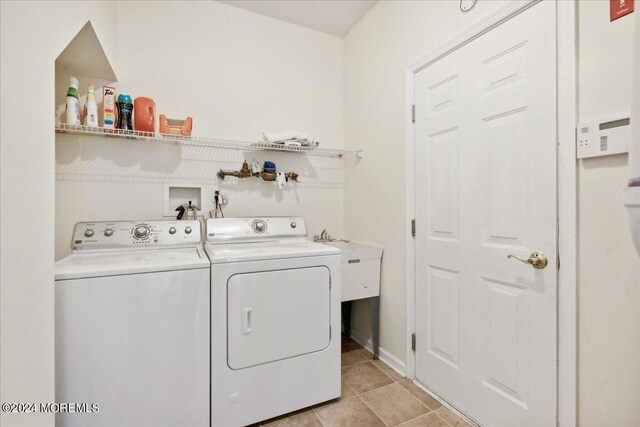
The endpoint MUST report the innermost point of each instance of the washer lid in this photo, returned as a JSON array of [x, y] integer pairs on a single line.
[[239, 252], [98, 264]]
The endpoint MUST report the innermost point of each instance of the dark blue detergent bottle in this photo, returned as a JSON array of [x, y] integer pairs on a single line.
[[125, 112]]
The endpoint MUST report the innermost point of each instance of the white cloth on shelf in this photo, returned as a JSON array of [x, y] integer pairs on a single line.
[[290, 135]]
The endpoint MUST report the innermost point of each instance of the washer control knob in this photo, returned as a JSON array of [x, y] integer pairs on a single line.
[[172, 230], [108, 232], [188, 230], [141, 231], [259, 226], [89, 232], [294, 225]]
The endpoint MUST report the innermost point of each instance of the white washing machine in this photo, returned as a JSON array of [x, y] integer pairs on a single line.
[[132, 328], [275, 319]]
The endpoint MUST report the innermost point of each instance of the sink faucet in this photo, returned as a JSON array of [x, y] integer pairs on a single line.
[[324, 237]]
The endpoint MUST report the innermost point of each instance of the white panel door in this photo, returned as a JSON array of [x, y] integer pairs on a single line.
[[486, 188]]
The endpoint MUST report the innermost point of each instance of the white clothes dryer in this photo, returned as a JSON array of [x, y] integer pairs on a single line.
[[275, 319]]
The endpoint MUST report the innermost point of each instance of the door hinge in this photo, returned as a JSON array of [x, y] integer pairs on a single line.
[[413, 227], [413, 113], [413, 342]]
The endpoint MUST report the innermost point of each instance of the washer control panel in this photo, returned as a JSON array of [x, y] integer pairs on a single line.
[[252, 229], [128, 234]]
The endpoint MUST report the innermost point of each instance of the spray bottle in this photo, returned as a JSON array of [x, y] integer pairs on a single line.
[[73, 102], [90, 116]]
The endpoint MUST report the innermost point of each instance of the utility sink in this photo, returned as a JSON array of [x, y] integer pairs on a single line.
[[360, 269]]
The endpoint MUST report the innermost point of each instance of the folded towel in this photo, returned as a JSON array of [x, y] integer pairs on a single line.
[[295, 142], [285, 135], [290, 135]]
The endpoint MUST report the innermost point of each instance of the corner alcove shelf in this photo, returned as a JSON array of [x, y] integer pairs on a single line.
[[85, 57], [134, 136]]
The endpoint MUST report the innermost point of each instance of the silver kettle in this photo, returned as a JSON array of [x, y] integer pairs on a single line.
[[187, 212]]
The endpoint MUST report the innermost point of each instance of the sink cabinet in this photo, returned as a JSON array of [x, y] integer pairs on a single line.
[[361, 279], [360, 270]]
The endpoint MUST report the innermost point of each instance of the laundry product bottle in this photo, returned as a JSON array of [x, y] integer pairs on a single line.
[[73, 102], [90, 116], [125, 112]]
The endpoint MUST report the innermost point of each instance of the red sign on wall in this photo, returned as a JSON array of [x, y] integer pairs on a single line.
[[620, 8]]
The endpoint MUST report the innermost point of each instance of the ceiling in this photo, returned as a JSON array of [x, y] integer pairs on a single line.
[[335, 17]]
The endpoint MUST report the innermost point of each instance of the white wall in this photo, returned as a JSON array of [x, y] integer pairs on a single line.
[[32, 36], [237, 74], [378, 51], [609, 268]]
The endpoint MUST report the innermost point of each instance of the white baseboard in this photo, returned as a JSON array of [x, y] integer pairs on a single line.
[[394, 362]]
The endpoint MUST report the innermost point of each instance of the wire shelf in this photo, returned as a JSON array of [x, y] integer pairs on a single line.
[[203, 142]]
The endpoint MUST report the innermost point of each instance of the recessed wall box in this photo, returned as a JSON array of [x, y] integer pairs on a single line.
[[604, 137], [181, 193]]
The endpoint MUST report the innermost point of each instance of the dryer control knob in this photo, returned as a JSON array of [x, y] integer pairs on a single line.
[[188, 230], [172, 230], [259, 226], [89, 233], [294, 225], [108, 232]]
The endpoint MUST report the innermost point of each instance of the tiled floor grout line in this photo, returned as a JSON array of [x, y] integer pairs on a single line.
[[373, 410], [318, 417], [367, 361], [411, 394], [413, 419], [435, 411], [416, 398], [351, 388], [360, 394], [374, 365], [354, 364], [445, 421]]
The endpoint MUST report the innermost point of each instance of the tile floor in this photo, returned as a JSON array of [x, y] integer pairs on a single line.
[[373, 394]]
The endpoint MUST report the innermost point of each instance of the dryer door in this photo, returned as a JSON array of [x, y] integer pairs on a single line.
[[275, 315]]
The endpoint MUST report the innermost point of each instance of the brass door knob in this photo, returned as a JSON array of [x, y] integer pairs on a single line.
[[536, 260]]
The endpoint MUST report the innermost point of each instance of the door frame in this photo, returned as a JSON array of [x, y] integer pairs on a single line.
[[566, 103]]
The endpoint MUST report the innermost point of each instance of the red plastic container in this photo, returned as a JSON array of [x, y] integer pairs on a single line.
[[144, 114]]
